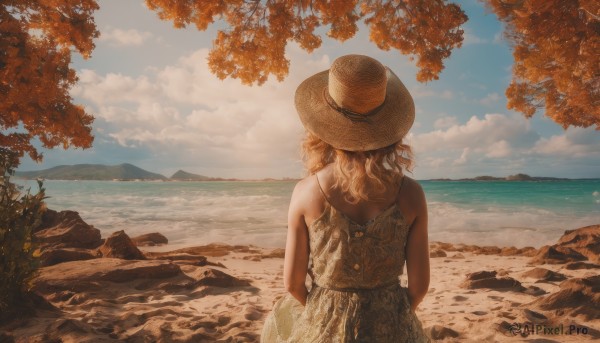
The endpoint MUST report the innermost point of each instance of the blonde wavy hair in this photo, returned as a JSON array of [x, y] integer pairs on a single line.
[[352, 170]]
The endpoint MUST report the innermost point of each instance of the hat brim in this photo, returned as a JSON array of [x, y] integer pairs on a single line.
[[388, 126]]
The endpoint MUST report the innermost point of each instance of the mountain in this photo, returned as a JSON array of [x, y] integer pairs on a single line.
[[123, 171], [517, 177], [185, 176]]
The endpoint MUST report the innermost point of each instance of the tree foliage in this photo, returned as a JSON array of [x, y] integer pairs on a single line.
[[253, 45], [556, 46], [20, 214], [36, 38]]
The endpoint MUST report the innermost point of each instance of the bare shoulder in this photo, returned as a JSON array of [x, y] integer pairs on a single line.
[[412, 199], [412, 188], [304, 192]]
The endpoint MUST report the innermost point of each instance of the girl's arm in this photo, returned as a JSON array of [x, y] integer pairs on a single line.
[[417, 251], [297, 249]]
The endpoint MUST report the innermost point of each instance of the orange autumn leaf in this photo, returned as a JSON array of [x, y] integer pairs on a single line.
[[252, 46], [36, 38], [556, 68]]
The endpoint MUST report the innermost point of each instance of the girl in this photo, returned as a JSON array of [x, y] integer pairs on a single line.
[[356, 217]]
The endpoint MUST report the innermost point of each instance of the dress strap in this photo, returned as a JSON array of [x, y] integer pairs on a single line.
[[400, 188], [321, 189]]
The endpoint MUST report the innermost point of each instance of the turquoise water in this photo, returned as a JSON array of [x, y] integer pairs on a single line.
[[192, 213]]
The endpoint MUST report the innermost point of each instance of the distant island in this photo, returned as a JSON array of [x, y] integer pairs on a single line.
[[124, 172], [121, 172], [129, 172], [516, 177]]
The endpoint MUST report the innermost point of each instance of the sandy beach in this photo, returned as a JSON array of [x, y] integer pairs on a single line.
[[116, 291]]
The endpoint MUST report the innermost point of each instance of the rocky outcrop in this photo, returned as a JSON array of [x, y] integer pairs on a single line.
[[52, 256], [150, 239], [575, 245], [585, 240], [577, 296], [217, 278], [119, 245], [512, 251], [71, 275], [482, 250], [556, 255], [66, 229]]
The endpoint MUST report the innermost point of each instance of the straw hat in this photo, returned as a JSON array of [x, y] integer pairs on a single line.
[[356, 105]]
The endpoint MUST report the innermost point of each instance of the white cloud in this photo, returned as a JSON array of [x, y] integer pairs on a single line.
[[575, 142], [490, 99], [444, 122], [463, 157], [479, 133], [114, 88], [498, 144], [499, 149], [120, 37], [471, 38], [185, 111]]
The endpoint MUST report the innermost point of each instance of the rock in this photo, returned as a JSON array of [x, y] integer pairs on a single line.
[[439, 332], [534, 317], [534, 290], [66, 229], [556, 254], [119, 245], [585, 240], [150, 239], [437, 253], [581, 265], [481, 275], [508, 329], [506, 283], [577, 296], [543, 274], [487, 250], [466, 248], [512, 251], [441, 245], [502, 272], [214, 277], [458, 256], [528, 251], [509, 251], [78, 275], [195, 260], [53, 256], [488, 279], [275, 253]]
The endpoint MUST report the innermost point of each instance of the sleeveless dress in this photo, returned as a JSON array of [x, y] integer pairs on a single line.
[[356, 294]]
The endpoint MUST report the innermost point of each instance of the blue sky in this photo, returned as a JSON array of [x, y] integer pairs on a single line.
[[157, 106]]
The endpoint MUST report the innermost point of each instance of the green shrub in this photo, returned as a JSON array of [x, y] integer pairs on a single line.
[[20, 213]]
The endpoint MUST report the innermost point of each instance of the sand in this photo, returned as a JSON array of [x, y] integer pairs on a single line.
[[226, 295]]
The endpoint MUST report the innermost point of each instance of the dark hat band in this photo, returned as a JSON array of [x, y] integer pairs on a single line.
[[353, 116]]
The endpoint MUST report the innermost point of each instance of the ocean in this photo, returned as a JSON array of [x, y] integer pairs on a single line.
[[520, 214]]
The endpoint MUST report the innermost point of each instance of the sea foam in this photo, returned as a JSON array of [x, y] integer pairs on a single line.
[[198, 213]]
